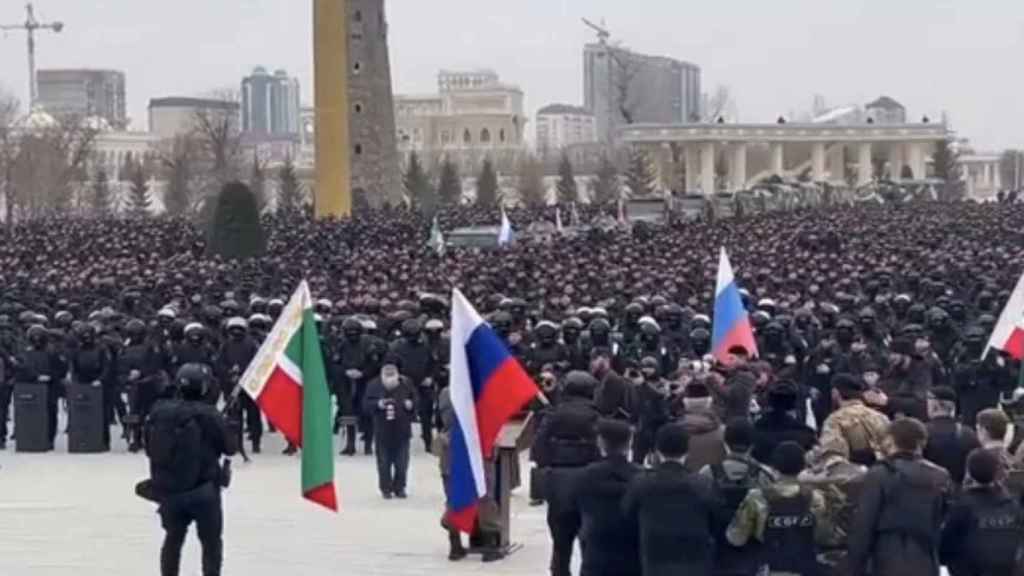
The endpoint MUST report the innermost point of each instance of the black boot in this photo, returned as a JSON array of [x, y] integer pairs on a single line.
[[455, 550], [492, 548], [350, 441], [256, 445], [367, 449], [291, 449]]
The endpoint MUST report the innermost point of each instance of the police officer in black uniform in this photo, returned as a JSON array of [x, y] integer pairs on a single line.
[[185, 439], [576, 354], [8, 365], [38, 362], [545, 349], [196, 348], [982, 531], [237, 351], [978, 381], [415, 362], [140, 374], [93, 365], [566, 441], [352, 358]]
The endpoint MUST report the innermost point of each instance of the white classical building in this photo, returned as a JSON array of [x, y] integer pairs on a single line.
[[753, 152], [562, 125], [981, 174], [474, 115]]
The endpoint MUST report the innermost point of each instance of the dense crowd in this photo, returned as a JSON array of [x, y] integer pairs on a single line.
[[868, 320]]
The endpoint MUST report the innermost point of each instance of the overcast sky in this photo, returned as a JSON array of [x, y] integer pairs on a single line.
[[964, 58]]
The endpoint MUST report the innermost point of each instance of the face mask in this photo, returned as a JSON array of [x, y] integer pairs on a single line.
[[697, 403]]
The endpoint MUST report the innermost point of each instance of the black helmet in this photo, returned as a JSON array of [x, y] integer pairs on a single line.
[[411, 328], [579, 384], [135, 328], [192, 380], [546, 331], [36, 333], [572, 324], [351, 325], [502, 320], [700, 335], [600, 326]]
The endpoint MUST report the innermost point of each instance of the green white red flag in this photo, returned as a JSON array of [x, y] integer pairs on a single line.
[[288, 381]]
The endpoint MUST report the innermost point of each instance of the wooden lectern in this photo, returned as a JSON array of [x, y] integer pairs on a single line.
[[515, 437]]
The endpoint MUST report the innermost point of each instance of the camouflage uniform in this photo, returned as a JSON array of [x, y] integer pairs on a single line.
[[752, 515], [859, 427], [839, 480]]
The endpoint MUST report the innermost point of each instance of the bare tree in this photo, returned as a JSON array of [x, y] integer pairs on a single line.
[[178, 162], [530, 182], [8, 151], [718, 105], [217, 131], [626, 69], [50, 168]]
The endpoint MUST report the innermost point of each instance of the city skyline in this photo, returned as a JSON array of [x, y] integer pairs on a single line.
[[931, 56]]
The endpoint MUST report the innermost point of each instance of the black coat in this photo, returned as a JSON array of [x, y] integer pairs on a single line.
[[399, 427], [614, 397], [949, 444], [677, 514], [981, 533], [567, 437], [896, 524], [774, 428], [609, 540]]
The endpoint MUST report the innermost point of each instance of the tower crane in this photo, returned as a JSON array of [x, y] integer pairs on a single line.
[[602, 33], [30, 25]]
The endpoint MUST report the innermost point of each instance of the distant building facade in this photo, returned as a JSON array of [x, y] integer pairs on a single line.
[[562, 125], [473, 116], [885, 110], [175, 116], [270, 103], [658, 89], [84, 92]]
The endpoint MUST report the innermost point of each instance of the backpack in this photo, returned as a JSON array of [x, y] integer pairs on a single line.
[[733, 491], [174, 448]]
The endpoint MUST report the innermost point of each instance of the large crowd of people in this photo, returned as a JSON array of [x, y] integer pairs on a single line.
[[851, 438]]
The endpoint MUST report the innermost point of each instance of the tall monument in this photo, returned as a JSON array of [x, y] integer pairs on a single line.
[[356, 153]]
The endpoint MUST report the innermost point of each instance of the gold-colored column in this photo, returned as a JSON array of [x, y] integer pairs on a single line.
[[333, 146]]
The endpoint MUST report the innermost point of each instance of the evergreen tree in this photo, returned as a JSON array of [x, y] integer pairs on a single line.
[[289, 195], [530, 181], [139, 199], [449, 186], [178, 196], [605, 187], [258, 183], [236, 232], [640, 174], [567, 191], [947, 167], [487, 185], [101, 200], [417, 185]]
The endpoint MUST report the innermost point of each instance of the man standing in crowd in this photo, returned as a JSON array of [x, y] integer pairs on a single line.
[[185, 439], [949, 441], [863, 429], [677, 512], [902, 505], [391, 399], [982, 534], [608, 539], [566, 442]]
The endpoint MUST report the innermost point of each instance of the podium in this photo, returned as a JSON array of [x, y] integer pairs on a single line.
[[513, 439], [86, 419], [32, 418]]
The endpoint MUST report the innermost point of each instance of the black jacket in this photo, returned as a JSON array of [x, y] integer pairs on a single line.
[[949, 444], [414, 359], [896, 525], [567, 437], [981, 533], [677, 514], [392, 422], [609, 540], [774, 428], [215, 439], [614, 398]]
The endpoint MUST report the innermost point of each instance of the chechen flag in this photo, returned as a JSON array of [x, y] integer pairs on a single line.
[[288, 381], [487, 387], [1008, 334], [731, 325]]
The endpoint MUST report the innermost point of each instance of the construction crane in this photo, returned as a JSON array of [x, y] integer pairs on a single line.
[[30, 25], [602, 33]]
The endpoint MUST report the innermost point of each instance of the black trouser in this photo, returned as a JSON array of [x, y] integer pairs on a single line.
[[253, 418], [141, 397], [425, 412], [564, 526], [365, 418], [392, 464], [643, 444], [6, 393], [205, 510]]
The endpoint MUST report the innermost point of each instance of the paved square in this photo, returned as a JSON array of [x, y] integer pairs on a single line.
[[64, 514]]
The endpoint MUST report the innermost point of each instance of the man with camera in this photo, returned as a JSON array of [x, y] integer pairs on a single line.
[[185, 439]]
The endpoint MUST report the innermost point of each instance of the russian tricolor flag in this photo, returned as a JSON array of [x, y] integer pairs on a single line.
[[731, 323], [1008, 333], [488, 386]]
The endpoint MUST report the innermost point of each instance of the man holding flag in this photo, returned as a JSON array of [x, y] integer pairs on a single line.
[[487, 387], [288, 381]]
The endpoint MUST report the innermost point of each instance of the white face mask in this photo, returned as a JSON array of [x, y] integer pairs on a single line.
[[389, 379]]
